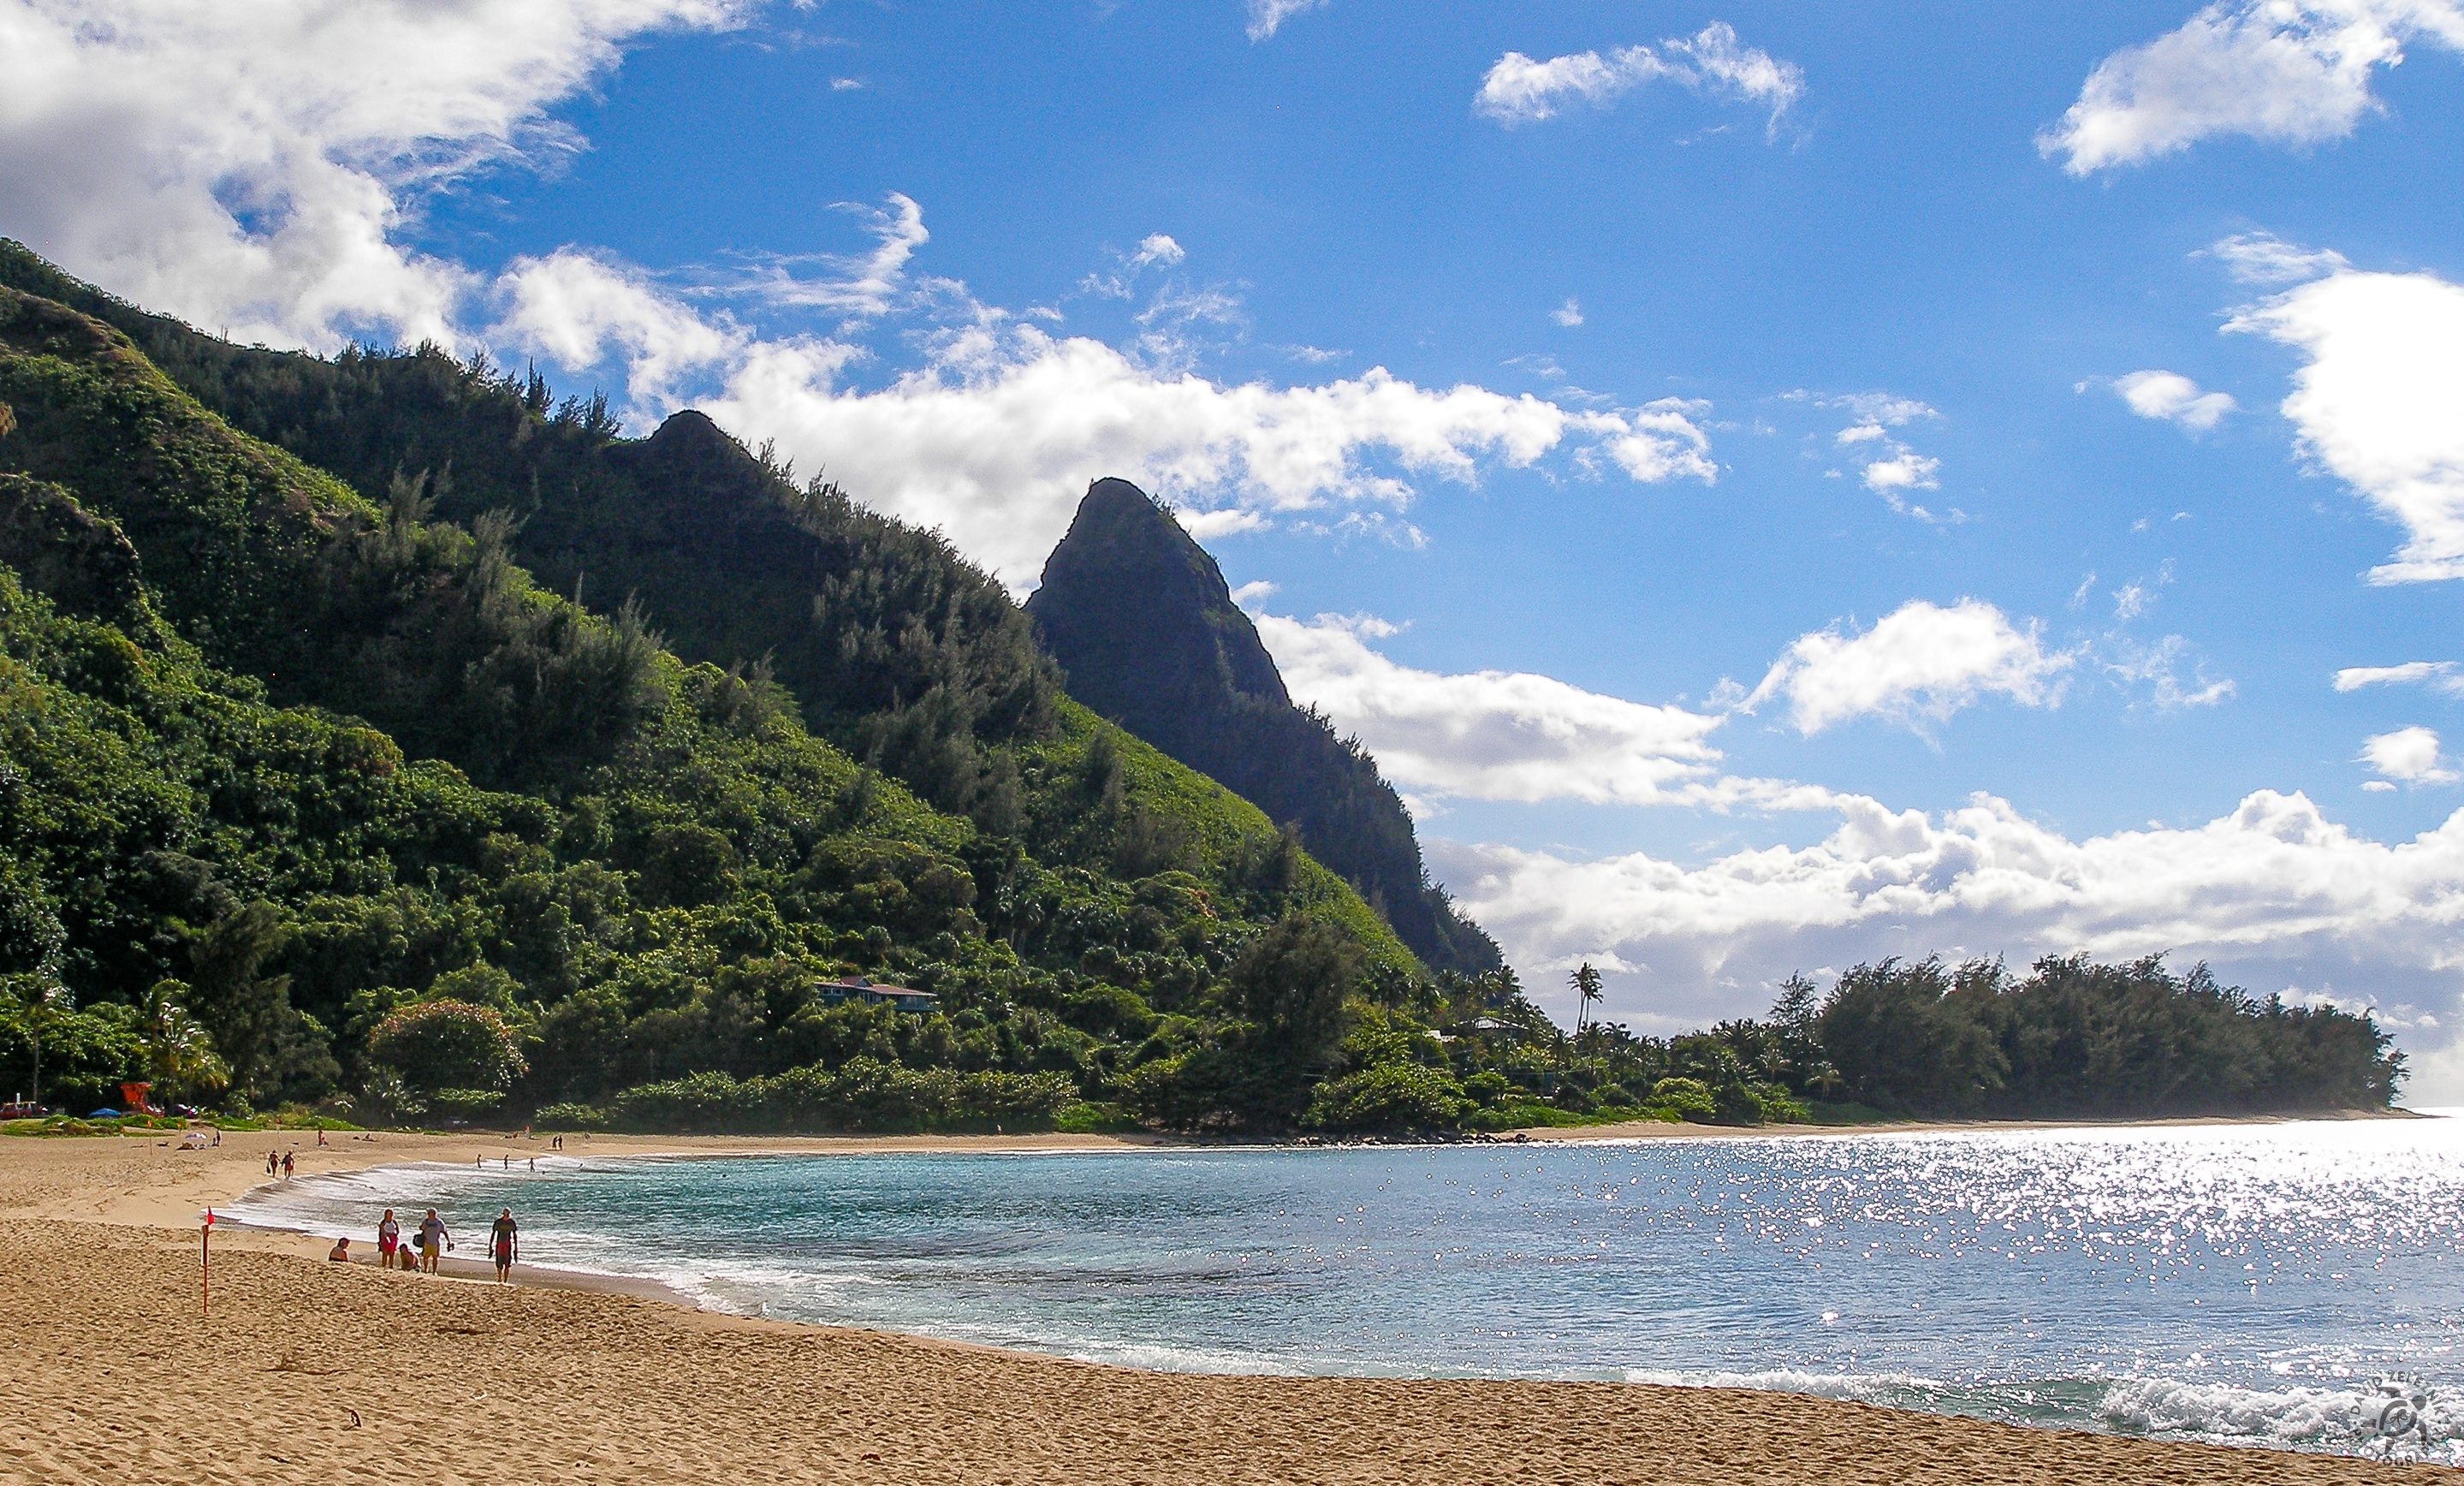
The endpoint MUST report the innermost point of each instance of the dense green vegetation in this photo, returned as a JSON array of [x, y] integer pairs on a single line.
[[313, 796], [1140, 618], [322, 759]]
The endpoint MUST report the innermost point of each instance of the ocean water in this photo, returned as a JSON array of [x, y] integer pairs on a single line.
[[2245, 1284]]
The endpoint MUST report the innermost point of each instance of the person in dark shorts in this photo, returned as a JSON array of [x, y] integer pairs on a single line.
[[504, 1242]]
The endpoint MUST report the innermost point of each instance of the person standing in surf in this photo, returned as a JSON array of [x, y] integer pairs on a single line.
[[504, 1242]]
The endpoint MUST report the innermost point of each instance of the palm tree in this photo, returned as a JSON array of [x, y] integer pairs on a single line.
[[180, 1057], [1587, 990]]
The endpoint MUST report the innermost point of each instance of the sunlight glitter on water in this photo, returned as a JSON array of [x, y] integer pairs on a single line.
[[2243, 1283]]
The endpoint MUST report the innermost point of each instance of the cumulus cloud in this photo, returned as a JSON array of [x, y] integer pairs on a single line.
[[2410, 754], [1569, 314], [1267, 16], [248, 167], [2290, 71], [1490, 735], [2274, 893], [1713, 62], [583, 311], [1907, 471], [2173, 397], [2439, 675], [1919, 665], [991, 438], [2377, 402]]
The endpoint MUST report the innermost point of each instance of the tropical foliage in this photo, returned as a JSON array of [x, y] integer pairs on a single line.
[[310, 792]]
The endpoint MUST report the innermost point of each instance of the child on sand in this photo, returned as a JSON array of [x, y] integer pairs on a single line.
[[342, 1253], [504, 1241]]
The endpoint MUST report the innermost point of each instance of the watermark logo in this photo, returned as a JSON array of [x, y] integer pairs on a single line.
[[2398, 1409]]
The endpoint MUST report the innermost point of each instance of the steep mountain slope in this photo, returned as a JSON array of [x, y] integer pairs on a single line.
[[314, 773], [893, 646], [1139, 617]]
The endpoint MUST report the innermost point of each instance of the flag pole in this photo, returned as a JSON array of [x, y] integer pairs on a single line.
[[206, 1265]]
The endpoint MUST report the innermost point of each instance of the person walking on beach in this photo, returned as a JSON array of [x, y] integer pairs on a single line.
[[433, 1240], [504, 1241], [272, 1163], [388, 1240], [286, 1166]]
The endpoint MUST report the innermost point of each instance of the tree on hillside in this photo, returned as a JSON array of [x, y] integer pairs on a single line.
[[1587, 990], [180, 1057], [32, 944], [441, 1046]]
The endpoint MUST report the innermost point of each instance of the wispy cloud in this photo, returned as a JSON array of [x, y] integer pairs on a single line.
[[2441, 676], [1267, 16], [1712, 62]]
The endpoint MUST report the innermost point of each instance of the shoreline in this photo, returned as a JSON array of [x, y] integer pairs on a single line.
[[655, 1147], [568, 1374]]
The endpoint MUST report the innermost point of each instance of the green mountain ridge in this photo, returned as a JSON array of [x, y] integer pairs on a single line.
[[1144, 626], [313, 793], [493, 796]]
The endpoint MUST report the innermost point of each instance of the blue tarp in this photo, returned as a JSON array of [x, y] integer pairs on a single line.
[[105, 1114]]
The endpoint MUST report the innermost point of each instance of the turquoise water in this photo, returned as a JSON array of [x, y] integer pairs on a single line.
[[2240, 1283]]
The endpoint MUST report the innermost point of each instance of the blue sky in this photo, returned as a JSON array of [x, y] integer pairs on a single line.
[[1775, 486]]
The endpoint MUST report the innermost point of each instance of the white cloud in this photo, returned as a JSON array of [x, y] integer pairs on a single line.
[[248, 167], [993, 438], [585, 311], [1881, 409], [1861, 434], [2293, 71], [1156, 250], [2378, 402], [2152, 672], [1569, 314], [859, 285], [1919, 664], [1490, 735], [2171, 395], [1267, 16], [1902, 471], [2410, 754], [2440, 675], [2273, 892], [1519, 90], [2265, 259]]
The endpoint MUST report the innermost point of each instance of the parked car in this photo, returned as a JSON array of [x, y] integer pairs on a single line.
[[22, 1109]]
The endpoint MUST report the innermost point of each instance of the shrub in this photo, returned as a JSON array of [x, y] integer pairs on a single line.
[[570, 1117], [440, 1045], [1686, 1098], [1389, 1096]]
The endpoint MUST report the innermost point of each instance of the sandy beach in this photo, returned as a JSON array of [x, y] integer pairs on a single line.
[[311, 1371]]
